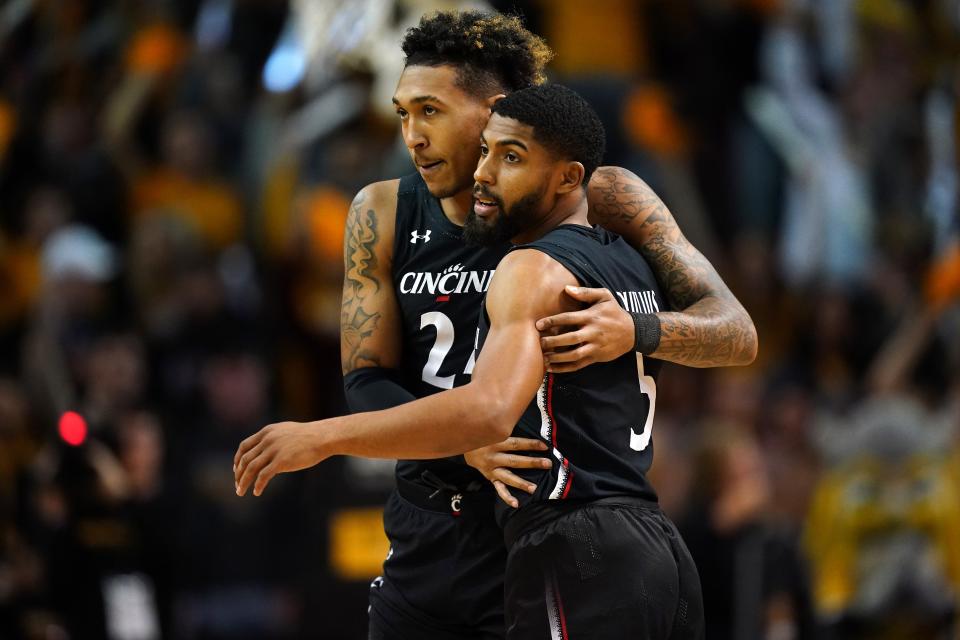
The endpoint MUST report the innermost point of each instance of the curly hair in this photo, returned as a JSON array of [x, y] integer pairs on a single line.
[[494, 52], [562, 121]]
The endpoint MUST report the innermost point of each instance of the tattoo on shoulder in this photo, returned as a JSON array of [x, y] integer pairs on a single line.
[[358, 248], [359, 283]]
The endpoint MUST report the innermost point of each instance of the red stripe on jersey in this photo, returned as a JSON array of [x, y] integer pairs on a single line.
[[563, 616], [443, 298]]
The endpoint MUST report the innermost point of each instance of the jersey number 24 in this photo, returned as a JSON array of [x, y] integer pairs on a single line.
[[444, 342], [441, 347]]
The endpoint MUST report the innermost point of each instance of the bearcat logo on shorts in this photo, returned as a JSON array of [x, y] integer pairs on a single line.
[[453, 279]]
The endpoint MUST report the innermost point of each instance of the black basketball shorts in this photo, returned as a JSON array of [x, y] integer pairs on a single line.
[[614, 568], [443, 576]]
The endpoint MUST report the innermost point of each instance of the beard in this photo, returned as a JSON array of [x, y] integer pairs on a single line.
[[508, 224]]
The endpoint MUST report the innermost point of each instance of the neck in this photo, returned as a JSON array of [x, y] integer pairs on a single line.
[[570, 209], [457, 206]]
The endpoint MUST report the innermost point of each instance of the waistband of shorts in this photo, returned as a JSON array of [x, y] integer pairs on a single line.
[[448, 500], [542, 512]]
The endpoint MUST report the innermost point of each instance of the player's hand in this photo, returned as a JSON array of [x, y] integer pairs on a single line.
[[496, 460], [277, 448], [600, 333]]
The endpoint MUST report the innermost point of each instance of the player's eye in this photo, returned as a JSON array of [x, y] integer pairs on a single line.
[[512, 157], [484, 150], [429, 111], [402, 113]]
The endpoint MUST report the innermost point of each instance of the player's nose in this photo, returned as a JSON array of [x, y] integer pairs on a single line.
[[483, 173], [413, 137]]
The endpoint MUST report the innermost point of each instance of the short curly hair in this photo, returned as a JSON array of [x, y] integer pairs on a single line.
[[562, 121], [494, 52]]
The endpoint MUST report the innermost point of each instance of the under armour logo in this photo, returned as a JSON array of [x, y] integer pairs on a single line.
[[414, 236], [455, 503]]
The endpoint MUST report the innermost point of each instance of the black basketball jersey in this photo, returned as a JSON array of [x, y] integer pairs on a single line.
[[440, 284], [596, 421]]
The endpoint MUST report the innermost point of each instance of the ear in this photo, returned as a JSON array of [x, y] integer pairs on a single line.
[[571, 177], [492, 100]]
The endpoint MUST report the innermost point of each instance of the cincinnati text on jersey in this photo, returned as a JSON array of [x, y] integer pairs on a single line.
[[451, 280]]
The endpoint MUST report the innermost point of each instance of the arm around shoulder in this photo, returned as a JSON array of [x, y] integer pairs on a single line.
[[709, 326]]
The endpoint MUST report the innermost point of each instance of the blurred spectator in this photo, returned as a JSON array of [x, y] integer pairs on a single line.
[[186, 185], [827, 217], [221, 597], [886, 510], [113, 379], [174, 179], [754, 583]]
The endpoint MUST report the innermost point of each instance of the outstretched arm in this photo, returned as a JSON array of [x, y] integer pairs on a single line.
[[508, 372], [709, 328]]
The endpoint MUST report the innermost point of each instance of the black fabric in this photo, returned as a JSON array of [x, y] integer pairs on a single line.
[[603, 571], [443, 577], [539, 514], [374, 388], [597, 421], [432, 494], [439, 284]]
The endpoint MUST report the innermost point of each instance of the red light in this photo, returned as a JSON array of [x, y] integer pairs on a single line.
[[73, 428]]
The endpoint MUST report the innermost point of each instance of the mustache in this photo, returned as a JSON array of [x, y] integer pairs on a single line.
[[479, 191]]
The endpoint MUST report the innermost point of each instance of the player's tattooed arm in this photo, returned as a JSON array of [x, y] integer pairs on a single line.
[[709, 327], [369, 316]]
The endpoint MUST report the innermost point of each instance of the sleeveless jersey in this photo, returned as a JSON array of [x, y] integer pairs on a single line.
[[440, 284], [596, 421]]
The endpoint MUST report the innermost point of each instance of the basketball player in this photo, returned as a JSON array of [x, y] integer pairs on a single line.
[[589, 552], [411, 295]]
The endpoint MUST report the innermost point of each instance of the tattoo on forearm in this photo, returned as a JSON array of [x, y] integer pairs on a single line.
[[704, 341], [359, 283], [710, 327]]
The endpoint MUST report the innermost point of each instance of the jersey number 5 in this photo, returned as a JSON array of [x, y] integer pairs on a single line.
[[639, 441], [441, 347]]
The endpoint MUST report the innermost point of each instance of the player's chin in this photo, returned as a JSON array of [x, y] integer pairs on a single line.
[[441, 186], [479, 232]]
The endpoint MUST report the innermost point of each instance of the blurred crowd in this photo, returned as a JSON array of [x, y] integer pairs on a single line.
[[174, 179]]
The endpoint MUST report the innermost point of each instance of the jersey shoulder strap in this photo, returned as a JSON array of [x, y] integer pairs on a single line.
[[572, 246], [598, 258], [411, 215], [409, 184]]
